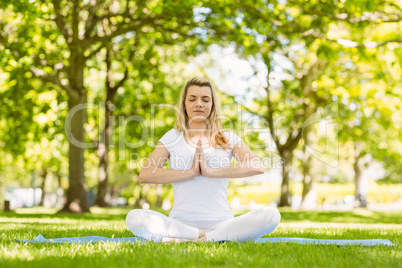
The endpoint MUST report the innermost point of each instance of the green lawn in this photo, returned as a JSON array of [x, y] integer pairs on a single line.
[[359, 224]]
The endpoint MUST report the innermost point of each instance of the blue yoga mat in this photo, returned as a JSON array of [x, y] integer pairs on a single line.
[[94, 239]]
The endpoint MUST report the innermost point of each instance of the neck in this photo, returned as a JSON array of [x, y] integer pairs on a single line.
[[198, 129]]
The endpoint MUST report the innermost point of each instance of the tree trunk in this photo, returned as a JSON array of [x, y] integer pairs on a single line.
[[43, 175], [103, 147], [7, 206], [361, 182], [285, 199], [103, 154], [309, 198], [60, 190], [76, 194]]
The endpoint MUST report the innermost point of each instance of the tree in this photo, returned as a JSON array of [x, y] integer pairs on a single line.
[[292, 41], [126, 52], [32, 137], [75, 33], [285, 103], [104, 143]]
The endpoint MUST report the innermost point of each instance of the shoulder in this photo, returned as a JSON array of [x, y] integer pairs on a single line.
[[231, 135], [171, 138], [173, 132]]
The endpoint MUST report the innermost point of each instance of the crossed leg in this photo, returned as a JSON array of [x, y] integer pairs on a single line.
[[155, 226], [247, 227]]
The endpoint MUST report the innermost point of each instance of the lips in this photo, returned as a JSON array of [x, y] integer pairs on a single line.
[[198, 111]]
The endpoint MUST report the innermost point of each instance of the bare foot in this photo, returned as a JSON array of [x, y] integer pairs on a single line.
[[203, 232], [179, 240]]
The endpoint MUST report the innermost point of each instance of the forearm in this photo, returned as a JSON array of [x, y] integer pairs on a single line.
[[163, 176], [238, 170]]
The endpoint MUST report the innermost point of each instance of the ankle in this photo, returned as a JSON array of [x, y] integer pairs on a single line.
[[203, 238], [202, 233]]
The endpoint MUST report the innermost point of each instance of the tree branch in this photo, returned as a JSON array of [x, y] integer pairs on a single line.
[[60, 20], [349, 43], [270, 115], [270, 119], [92, 18], [39, 73], [292, 142], [94, 52], [76, 12], [121, 82], [121, 28], [306, 85]]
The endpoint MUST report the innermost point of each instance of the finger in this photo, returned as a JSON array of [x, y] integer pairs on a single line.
[[196, 154], [200, 151], [200, 146], [202, 160], [197, 158]]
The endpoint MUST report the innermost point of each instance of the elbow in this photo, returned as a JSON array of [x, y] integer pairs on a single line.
[[147, 175], [256, 166], [142, 178], [260, 171]]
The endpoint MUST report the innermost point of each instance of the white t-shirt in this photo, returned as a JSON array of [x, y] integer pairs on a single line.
[[200, 202]]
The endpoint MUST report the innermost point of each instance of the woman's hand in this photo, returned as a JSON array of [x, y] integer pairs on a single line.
[[196, 168], [204, 167]]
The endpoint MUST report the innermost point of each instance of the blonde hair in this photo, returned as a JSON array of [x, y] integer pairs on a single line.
[[214, 124]]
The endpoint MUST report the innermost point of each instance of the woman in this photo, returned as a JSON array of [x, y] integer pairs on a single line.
[[199, 154]]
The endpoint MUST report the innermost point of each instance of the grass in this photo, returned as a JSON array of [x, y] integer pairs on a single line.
[[358, 224]]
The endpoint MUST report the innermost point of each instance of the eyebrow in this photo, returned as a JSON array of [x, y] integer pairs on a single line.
[[196, 96]]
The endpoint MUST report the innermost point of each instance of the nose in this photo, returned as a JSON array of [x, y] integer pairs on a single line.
[[198, 103]]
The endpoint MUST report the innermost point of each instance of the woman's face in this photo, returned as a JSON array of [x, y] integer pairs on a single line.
[[198, 103]]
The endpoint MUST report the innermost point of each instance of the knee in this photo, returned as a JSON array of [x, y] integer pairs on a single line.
[[272, 215], [134, 217]]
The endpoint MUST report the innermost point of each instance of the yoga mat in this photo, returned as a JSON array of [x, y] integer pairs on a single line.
[[94, 239]]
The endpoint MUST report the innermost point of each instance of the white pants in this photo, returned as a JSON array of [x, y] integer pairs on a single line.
[[153, 225]]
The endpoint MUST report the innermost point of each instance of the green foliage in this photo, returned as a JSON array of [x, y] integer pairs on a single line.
[[299, 44]]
